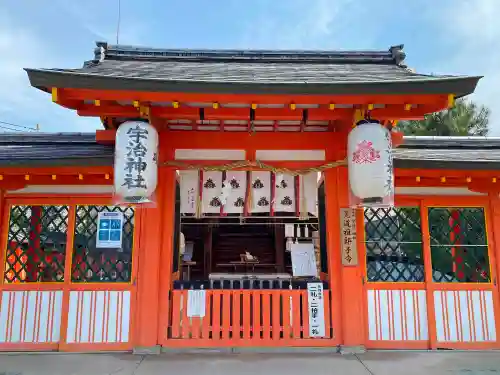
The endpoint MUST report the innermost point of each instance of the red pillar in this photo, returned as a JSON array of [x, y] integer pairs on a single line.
[[347, 284], [152, 239], [353, 293], [493, 233], [167, 251]]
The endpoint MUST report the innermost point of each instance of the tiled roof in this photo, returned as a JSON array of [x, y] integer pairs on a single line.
[[244, 71], [68, 149], [49, 149], [449, 152]]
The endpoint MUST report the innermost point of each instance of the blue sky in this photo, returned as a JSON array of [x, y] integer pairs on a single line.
[[445, 36]]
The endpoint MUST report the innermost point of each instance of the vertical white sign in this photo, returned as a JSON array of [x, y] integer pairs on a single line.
[[189, 186], [303, 260], [316, 310], [109, 230], [196, 303]]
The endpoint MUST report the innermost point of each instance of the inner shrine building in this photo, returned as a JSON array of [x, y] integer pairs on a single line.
[[216, 207]]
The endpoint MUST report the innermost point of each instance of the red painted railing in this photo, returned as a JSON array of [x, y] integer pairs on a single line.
[[247, 318]]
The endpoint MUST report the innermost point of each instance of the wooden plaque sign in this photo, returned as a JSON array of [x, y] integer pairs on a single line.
[[348, 236]]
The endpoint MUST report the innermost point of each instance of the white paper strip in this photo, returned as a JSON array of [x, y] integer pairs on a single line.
[[284, 200], [316, 309], [261, 191], [189, 185], [196, 303], [235, 203], [289, 230], [303, 260], [212, 184], [309, 191]]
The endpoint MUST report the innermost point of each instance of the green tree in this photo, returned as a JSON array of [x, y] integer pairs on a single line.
[[465, 118]]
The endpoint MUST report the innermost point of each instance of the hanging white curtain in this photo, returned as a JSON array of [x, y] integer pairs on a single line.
[[235, 202], [260, 184], [211, 195], [284, 193]]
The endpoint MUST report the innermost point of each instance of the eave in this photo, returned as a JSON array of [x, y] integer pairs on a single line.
[[459, 86]]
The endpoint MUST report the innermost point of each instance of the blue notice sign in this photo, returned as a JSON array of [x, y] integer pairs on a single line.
[[109, 232]]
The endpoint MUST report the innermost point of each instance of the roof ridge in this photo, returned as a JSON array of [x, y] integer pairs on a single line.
[[394, 55]]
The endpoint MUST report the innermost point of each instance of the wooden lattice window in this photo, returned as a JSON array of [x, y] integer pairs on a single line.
[[36, 244], [459, 248], [393, 240], [93, 264]]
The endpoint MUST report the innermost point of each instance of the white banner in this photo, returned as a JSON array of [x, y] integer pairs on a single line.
[[211, 198], [316, 309], [196, 303], [234, 198], [284, 190], [260, 184], [189, 186], [309, 192], [235, 203]]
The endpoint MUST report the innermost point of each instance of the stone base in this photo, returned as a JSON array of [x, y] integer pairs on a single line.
[[253, 350], [194, 350], [287, 350], [349, 350], [147, 350]]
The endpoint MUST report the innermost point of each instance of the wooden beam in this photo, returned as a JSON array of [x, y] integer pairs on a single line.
[[207, 251], [108, 110], [276, 164], [192, 113], [279, 235], [250, 141], [448, 173], [105, 136], [261, 114], [59, 97], [18, 182], [183, 97], [59, 171], [476, 184], [399, 113]]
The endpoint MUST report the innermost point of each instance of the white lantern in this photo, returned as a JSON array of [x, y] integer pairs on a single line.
[[369, 153], [136, 161]]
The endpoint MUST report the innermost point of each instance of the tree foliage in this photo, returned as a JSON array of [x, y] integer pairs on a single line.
[[465, 118]]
